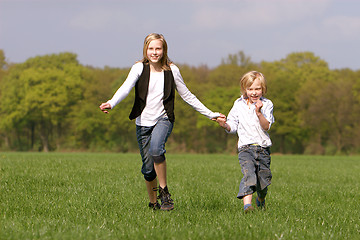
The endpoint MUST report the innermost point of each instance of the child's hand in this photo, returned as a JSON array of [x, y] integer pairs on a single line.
[[258, 107], [221, 116], [222, 122]]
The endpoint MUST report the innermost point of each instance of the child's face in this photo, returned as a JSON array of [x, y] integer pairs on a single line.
[[254, 92], [155, 51]]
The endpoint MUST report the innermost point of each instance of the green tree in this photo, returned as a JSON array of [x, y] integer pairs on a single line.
[[3, 71], [52, 102], [39, 94], [95, 130], [334, 115], [3, 62], [294, 85], [186, 136], [239, 59], [282, 87]]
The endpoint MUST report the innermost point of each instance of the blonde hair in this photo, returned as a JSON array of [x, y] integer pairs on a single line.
[[164, 61], [248, 79]]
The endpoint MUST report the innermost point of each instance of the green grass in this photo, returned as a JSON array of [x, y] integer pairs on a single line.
[[103, 196]]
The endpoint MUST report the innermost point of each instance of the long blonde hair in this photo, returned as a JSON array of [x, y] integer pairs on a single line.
[[164, 61]]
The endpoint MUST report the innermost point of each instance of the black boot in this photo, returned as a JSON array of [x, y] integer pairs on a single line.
[[166, 202], [154, 206]]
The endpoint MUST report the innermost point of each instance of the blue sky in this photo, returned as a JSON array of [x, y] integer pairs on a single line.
[[111, 32]]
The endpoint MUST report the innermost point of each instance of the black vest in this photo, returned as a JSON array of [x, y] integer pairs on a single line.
[[141, 92]]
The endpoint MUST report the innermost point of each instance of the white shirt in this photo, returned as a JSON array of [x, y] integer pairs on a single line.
[[243, 120], [154, 108]]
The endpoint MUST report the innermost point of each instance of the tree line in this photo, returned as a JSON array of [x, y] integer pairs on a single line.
[[50, 103]]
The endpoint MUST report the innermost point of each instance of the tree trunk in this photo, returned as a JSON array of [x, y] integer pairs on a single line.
[[32, 140], [282, 144], [7, 141], [58, 137], [44, 138]]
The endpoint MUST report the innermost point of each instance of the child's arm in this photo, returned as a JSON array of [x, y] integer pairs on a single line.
[[222, 122], [231, 122], [264, 123]]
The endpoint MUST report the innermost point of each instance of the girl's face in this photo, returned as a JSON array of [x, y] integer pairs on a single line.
[[155, 51], [254, 92]]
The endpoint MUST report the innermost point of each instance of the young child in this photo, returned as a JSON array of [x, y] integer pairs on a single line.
[[155, 79], [251, 117]]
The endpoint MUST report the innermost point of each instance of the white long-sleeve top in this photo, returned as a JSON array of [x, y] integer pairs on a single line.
[[243, 120], [154, 108]]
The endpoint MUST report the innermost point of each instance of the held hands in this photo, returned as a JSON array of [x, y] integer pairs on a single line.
[[219, 116], [221, 120], [105, 107]]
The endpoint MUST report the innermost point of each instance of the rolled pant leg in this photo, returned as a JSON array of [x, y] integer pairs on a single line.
[[143, 135], [159, 136], [248, 169]]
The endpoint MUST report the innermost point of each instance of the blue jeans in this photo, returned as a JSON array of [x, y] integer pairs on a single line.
[[151, 142], [255, 167]]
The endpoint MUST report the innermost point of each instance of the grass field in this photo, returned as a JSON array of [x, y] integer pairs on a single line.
[[103, 196]]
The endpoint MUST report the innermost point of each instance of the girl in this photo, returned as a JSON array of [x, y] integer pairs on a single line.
[[155, 79]]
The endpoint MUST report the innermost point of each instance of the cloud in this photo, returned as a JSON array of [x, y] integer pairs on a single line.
[[343, 26], [100, 18], [235, 14]]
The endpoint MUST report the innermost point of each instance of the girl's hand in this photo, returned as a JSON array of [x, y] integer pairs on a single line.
[[104, 107], [217, 115], [220, 116]]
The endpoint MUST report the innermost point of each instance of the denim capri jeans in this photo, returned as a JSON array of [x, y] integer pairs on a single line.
[[151, 142], [255, 167]]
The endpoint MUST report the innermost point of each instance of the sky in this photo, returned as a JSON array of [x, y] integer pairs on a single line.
[[198, 32]]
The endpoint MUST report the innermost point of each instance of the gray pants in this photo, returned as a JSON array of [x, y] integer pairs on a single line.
[[255, 167]]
